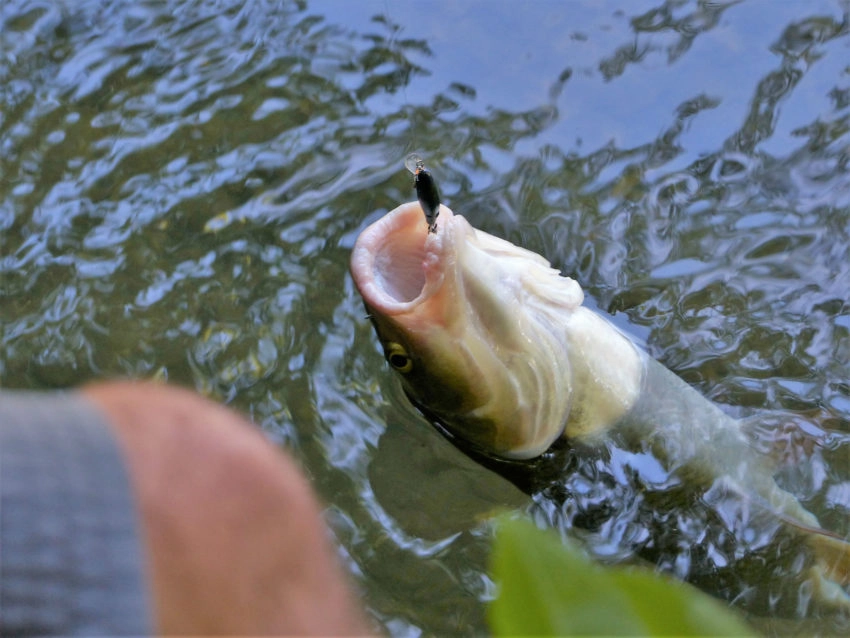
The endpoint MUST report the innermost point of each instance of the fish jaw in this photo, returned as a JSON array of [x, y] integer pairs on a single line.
[[395, 261], [459, 303]]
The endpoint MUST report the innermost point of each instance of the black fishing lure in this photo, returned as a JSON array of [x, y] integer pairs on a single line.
[[426, 190]]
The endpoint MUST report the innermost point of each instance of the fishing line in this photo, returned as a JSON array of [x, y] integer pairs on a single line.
[[412, 143], [426, 188]]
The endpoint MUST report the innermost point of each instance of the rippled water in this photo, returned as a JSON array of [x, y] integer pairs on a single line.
[[181, 184]]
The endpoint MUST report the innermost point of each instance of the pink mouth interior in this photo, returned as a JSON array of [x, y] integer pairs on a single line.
[[396, 259], [398, 266]]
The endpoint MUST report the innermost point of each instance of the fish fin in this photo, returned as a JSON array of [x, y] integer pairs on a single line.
[[830, 574], [833, 556], [826, 591], [832, 552]]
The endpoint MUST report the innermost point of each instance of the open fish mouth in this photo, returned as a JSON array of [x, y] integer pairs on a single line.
[[396, 263]]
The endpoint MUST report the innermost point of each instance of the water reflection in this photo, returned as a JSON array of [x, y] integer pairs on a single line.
[[181, 184]]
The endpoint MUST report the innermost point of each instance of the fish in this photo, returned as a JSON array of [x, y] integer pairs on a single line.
[[495, 346]]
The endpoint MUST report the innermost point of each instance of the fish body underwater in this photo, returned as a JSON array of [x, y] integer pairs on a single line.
[[496, 346]]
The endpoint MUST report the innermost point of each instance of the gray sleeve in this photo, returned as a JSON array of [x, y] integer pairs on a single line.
[[70, 553]]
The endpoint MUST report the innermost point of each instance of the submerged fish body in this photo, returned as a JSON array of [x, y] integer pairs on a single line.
[[495, 345]]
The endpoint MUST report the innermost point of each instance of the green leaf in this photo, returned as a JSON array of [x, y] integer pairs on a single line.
[[549, 588]]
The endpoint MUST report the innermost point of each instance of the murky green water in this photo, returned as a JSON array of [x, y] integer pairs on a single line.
[[181, 184]]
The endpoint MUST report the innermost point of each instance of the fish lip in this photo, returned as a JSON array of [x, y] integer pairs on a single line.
[[396, 256]]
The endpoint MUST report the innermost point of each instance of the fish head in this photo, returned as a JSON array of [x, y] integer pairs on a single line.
[[460, 318]]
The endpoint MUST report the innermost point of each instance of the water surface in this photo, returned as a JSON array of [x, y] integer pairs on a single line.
[[181, 184]]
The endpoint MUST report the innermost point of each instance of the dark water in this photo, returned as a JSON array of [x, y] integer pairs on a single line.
[[181, 184]]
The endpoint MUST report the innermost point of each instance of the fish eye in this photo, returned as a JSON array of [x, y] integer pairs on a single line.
[[398, 358]]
